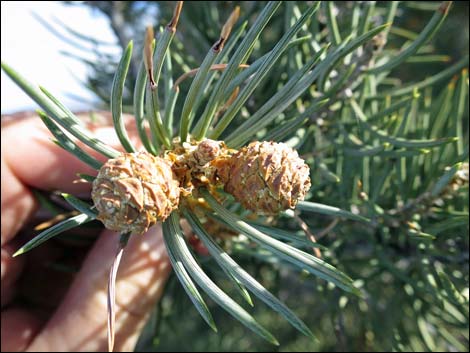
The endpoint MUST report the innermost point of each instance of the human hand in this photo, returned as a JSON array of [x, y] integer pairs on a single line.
[[78, 321]]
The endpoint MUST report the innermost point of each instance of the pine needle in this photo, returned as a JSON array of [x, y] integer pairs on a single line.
[[112, 290]]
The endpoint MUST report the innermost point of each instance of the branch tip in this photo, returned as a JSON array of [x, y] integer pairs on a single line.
[[176, 15]]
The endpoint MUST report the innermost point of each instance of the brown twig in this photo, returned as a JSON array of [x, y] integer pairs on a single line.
[[328, 228], [55, 220], [307, 232], [216, 67], [227, 104]]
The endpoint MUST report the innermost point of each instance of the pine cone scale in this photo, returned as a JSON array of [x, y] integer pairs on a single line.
[[132, 188]]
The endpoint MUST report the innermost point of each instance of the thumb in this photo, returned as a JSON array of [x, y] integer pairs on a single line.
[[79, 324]]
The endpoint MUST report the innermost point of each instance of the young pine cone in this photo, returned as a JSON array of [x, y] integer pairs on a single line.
[[266, 177], [134, 191]]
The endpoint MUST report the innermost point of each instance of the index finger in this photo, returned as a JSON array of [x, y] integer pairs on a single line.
[[29, 158]]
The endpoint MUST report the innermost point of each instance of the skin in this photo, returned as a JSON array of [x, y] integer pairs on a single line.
[[70, 314]]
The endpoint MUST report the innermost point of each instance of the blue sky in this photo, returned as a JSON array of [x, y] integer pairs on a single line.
[[32, 50]]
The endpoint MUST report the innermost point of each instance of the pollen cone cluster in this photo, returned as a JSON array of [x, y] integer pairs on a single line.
[[266, 177], [134, 191], [195, 163]]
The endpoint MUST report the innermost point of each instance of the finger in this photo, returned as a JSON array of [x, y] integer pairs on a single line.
[[18, 329], [11, 268], [33, 161], [79, 324], [17, 203]]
